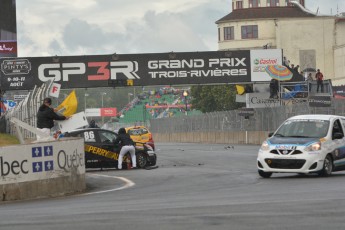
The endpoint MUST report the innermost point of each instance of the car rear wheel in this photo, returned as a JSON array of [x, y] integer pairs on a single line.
[[141, 160], [265, 174], [327, 167]]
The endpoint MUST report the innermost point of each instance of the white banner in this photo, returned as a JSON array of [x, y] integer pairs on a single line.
[[261, 100], [93, 112], [260, 59], [19, 97]]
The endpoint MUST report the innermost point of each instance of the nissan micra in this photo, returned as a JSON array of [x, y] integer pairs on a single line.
[[304, 144]]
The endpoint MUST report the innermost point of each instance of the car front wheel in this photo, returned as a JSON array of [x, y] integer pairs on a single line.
[[327, 167], [141, 160], [265, 174]]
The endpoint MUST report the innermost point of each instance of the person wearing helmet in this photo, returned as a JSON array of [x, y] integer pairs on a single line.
[[127, 145], [93, 124]]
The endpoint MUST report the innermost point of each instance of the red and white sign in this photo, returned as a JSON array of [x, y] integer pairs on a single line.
[[101, 112], [108, 112], [55, 90], [8, 47]]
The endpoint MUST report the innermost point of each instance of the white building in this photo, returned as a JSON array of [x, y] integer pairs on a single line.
[[307, 39]]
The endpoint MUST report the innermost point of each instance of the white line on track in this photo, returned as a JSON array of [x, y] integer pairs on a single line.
[[128, 184]]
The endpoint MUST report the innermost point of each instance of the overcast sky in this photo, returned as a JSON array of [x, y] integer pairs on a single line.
[[92, 27]]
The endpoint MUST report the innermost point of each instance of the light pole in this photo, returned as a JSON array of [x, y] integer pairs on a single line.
[[86, 95], [185, 94], [102, 94], [129, 97]]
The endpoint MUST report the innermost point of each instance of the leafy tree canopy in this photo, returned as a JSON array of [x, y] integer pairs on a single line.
[[211, 98]]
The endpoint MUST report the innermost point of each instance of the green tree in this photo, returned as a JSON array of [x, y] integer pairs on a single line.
[[211, 98]]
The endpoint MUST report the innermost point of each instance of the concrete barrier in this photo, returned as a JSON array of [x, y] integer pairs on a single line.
[[44, 169], [215, 137]]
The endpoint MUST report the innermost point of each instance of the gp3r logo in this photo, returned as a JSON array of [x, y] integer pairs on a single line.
[[105, 70]]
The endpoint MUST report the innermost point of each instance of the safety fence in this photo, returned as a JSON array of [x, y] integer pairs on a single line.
[[261, 119], [26, 111]]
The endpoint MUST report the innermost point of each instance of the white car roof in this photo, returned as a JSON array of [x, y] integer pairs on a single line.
[[316, 117]]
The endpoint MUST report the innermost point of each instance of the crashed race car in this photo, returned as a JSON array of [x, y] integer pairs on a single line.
[[101, 152]]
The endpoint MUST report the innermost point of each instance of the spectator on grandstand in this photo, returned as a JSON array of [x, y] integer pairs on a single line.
[[319, 79], [296, 68], [274, 88], [286, 62], [309, 79]]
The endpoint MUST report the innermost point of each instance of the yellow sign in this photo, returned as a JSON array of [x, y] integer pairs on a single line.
[[130, 82]]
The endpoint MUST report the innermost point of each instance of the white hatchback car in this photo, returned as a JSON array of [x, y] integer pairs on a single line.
[[304, 144]]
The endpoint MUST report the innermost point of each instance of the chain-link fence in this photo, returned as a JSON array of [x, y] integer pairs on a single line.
[[25, 111], [263, 119]]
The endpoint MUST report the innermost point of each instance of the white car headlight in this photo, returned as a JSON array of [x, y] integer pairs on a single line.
[[265, 146], [316, 146]]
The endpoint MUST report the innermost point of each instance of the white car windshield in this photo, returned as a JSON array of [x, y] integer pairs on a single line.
[[303, 128]]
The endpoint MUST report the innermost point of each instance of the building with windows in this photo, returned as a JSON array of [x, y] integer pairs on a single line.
[[309, 40]]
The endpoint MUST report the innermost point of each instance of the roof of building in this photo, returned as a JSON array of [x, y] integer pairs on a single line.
[[265, 13]]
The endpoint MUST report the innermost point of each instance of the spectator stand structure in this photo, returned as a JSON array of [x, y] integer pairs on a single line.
[[161, 103], [300, 88]]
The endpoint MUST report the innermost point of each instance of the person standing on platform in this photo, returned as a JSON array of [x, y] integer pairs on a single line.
[[319, 79]]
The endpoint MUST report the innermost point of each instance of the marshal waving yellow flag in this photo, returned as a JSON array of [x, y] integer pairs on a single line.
[[69, 106]]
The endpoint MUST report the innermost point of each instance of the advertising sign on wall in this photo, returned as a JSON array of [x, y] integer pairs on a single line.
[[101, 112], [9, 48], [260, 59], [8, 28], [93, 112], [261, 100], [320, 101], [108, 112], [23, 163]]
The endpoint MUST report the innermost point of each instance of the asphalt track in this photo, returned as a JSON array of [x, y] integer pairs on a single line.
[[197, 186]]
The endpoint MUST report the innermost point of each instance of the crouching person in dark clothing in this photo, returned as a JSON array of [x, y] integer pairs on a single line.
[[127, 144], [46, 117]]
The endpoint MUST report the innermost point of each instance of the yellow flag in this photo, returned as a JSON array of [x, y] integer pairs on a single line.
[[240, 89], [69, 105]]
